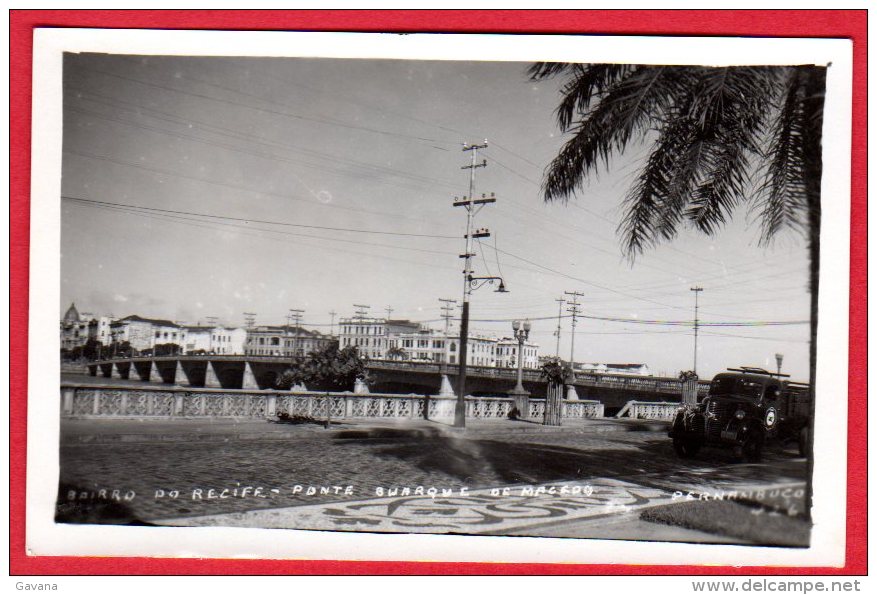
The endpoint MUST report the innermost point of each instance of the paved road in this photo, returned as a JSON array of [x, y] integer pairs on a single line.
[[309, 477]]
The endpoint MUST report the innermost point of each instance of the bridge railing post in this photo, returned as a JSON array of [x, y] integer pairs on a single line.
[[67, 394], [96, 401]]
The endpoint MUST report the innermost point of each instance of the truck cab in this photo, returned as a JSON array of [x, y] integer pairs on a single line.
[[745, 407]]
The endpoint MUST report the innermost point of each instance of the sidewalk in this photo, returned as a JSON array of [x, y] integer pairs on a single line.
[[79, 431], [612, 511]]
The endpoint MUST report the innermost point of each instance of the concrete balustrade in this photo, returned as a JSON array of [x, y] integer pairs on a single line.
[[90, 401], [649, 410]]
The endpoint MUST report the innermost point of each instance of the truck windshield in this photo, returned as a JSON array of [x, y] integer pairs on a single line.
[[741, 387]]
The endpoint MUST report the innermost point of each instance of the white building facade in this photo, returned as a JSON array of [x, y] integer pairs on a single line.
[[507, 354], [279, 341], [146, 333], [372, 336]]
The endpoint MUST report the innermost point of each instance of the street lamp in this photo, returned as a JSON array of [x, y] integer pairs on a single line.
[[472, 283], [779, 357], [520, 396]]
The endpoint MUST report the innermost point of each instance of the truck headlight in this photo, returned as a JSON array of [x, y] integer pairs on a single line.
[[740, 414]]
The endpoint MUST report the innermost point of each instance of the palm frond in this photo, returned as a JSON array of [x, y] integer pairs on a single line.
[[651, 201], [723, 188], [630, 108], [731, 105], [544, 70], [589, 82], [782, 194]]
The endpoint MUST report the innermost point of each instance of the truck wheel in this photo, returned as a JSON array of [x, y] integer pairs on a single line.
[[752, 447], [685, 448], [803, 438]]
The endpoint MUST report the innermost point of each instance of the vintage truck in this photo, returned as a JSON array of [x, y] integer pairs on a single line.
[[745, 408]]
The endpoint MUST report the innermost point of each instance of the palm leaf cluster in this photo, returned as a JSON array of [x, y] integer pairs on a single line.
[[720, 137]]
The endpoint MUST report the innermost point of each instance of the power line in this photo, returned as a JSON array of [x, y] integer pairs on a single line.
[[776, 340], [209, 225], [246, 228], [250, 220], [595, 214], [261, 109], [309, 201], [231, 133]]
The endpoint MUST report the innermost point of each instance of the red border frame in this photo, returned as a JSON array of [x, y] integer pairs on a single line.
[[851, 24]]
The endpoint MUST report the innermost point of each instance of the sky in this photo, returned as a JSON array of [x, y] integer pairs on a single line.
[[198, 187]]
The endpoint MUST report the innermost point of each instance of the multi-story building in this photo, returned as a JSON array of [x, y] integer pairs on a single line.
[[74, 329], [214, 339], [372, 335], [197, 339], [229, 340], [432, 346], [100, 330], [145, 333], [507, 354], [423, 345], [284, 341]]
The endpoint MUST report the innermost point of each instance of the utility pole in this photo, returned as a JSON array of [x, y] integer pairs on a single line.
[[560, 302], [574, 310], [696, 291], [296, 314], [361, 311], [447, 310], [249, 319], [332, 313], [473, 206], [389, 311]]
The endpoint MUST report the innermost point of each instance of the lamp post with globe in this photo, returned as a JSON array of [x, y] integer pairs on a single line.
[[520, 396]]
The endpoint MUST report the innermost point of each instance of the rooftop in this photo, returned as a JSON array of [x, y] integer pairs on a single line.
[[155, 321]]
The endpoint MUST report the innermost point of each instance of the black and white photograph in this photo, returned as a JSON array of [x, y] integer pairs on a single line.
[[374, 293]]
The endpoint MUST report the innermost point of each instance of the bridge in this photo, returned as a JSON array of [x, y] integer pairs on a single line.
[[252, 372]]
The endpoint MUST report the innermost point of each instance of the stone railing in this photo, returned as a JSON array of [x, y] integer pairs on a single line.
[[649, 410], [622, 382], [84, 401], [672, 386]]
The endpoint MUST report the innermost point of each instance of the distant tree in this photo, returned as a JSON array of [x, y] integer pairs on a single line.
[[329, 368], [122, 349], [396, 352], [163, 349], [92, 349]]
